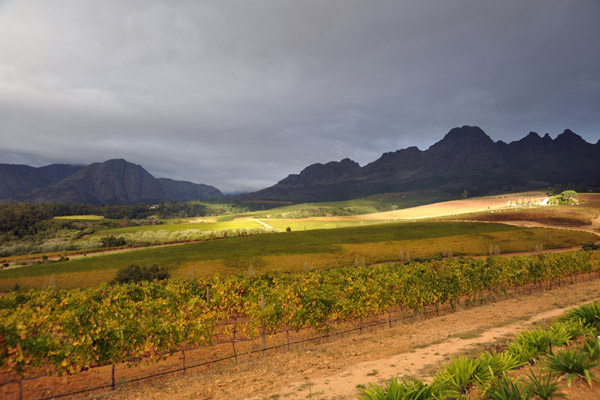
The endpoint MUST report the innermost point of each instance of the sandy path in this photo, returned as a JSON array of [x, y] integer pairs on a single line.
[[332, 370], [343, 384], [266, 225]]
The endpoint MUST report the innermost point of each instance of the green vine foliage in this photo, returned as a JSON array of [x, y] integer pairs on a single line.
[[67, 331]]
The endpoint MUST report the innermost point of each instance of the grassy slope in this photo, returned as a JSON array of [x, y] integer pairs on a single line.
[[369, 204], [310, 224], [175, 227], [294, 251], [81, 217], [580, 215]]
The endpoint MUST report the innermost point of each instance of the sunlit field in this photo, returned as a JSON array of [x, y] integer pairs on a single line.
[[81, 217], [573, 216], [301, 250]]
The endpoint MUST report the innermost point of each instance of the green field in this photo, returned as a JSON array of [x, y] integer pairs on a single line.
[[304, 225], [177, 227], [298, 250], [82, 217], [365, 205]]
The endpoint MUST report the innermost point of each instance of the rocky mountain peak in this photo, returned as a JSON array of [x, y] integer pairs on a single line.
[[467, 145], [569, 138], [465, 135], [323, 173], [532, 136]]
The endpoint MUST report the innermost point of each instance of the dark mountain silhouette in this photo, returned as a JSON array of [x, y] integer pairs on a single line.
[[465, 159], [17, 180], [117, 182]]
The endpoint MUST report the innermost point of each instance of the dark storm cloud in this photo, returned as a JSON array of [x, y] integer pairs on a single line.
[[239, 94]]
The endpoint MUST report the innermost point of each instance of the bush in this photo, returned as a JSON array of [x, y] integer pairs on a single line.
[[574, 363], [404, 388], [225, 218], [586, 315], [544, 387], [589, 246], [134, 274], [111, 241]]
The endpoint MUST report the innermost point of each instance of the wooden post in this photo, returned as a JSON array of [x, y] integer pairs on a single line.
[[389, 318], [183, 357], [21, 388], [208, 294], [113, 384], [233, 342], [264, 329], [287, 334]]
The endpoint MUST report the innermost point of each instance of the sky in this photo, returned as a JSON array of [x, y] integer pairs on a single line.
[[240, 93]]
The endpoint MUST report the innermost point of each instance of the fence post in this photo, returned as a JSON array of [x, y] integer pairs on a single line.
[[389, 318], [264, 329], [233, 342], [21, 388], [113, 384], [207, 294], [183, 357], [287, 334]]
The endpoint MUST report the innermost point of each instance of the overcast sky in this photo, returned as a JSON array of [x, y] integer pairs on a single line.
[[239, 94]]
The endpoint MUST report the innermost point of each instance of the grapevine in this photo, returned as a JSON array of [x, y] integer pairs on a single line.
[[68, 331]]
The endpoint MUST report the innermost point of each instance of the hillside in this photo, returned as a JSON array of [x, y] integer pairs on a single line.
[[118, 182], [18, 180], [465, 159]]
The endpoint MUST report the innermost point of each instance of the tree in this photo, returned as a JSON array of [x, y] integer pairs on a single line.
[[567, 197], [134, 274], [112, 241]]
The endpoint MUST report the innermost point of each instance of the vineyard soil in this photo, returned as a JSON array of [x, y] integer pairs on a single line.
[[335, 369]]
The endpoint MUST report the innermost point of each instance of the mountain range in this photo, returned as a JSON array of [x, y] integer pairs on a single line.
[[466, 159], [109, 182]]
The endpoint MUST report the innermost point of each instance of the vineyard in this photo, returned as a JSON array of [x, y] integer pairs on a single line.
[[58, 331], [298, 251]]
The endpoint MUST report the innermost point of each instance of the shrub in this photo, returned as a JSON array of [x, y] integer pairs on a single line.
[[111, 241], [589, 246], [574, 363], [225, 218], [492, 365], [457, 376], [134, 274], [544, 387], [530, 344], [587, 315], [406, 389], [507, 389]]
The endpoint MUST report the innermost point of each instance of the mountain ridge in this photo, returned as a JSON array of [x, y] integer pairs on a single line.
[[17, 179], [466, 158], [115, 181]]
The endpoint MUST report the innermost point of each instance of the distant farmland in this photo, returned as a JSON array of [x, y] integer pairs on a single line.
[[297, 251]]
